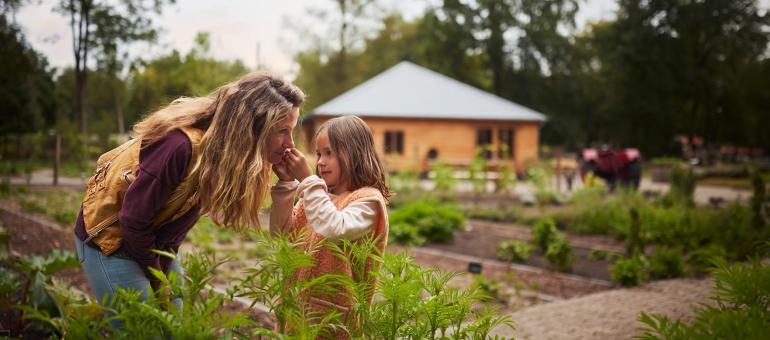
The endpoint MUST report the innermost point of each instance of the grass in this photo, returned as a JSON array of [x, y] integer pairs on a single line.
[[61, 205], [743, 183]]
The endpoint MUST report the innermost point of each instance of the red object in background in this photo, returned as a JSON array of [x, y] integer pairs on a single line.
[[622, 165]]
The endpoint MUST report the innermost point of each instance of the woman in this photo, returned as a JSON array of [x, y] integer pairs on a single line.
[[197, 156]]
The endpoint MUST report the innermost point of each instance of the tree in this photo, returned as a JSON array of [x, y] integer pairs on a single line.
[[26, 87], [100, 27], [174, 75]]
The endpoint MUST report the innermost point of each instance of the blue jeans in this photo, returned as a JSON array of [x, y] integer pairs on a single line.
[[107, 273]]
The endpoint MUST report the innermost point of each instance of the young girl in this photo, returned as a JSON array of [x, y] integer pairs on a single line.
[[345, 201]]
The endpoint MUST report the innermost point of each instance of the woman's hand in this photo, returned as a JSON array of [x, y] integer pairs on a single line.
[[297, 165], [281, 169]]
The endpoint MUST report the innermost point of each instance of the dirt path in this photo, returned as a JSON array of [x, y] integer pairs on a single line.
[[611, 314]]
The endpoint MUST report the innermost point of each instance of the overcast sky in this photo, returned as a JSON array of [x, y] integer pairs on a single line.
[[236, 28]]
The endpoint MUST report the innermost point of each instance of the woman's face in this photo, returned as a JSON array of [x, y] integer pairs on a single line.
[[280, 137]]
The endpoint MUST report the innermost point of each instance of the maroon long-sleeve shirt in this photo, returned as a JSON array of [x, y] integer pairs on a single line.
[[162, 166]]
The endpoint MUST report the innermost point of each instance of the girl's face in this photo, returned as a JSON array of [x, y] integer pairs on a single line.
[[328, 165]]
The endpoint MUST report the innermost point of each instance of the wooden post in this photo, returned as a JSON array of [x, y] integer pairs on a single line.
[[56, 158]]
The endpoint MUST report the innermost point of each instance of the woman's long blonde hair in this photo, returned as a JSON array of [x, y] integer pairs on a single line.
[[232, 170]]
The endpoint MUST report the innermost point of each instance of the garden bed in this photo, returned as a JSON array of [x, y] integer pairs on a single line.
[[481, 239]]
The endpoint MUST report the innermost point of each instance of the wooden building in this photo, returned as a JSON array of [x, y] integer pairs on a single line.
[[419, 116]]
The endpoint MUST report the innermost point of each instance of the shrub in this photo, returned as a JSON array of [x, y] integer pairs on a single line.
[[597, 216], [490, 288], [405, 234], [559, 254], [514, 251], [702, 259], [682, 190], [434, 221], [631, 271], [667, 263], [543, 233], [742, 310]]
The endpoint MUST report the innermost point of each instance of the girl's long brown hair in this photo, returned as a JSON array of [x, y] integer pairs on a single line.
[[232, 171], [352, 141]]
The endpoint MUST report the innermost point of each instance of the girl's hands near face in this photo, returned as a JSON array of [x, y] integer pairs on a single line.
[[281, 169], [297, 164]]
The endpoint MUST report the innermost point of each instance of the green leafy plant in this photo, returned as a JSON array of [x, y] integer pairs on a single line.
[[433, 220], [443, 177], [667, 263], [682, 190], [543, 233], [702, 259], [559, 254], [631, 271], [27, 291], [741, 311], [514, 251]]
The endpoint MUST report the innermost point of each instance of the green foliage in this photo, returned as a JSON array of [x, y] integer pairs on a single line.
[[506, 182], [683, 181], [404, 182], [540, 176], [667, 263], [26, 89], [741, 309], [511, 214], [758, 200], [702, 259], [23, 287], [196, 73], [404, 301], [513, 251], [544, 232], [671, 226], [559, 254], [630, 271], [634, 243], [397, 300], [406, 234], [477, 172], [553, 244], [602, 255], [434, 221], [490, 288], [206, 235], [60, 205], [443, 177]]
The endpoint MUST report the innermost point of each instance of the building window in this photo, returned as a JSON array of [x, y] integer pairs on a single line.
[[484, 142], [394, 142], [505, 143]]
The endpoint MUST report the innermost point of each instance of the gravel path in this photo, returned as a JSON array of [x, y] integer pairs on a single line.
[[612, 314]]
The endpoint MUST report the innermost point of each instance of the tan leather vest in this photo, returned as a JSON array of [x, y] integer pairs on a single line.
[[115, 170]]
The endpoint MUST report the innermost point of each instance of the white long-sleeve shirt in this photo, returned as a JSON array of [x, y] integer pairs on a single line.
[[350, 223]]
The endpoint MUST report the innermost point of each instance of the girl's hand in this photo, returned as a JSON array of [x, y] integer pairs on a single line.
[[297, 165], [281, 169]]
